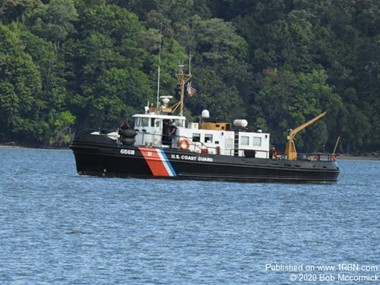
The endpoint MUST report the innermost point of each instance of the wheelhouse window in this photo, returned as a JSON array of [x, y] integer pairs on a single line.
[[208, 138], [257, 141], [142, 122], [196, 137], [145, 122], [179, 123], [244, 140]]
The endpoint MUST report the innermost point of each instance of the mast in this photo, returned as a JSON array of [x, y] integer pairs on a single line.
[[182, 80]]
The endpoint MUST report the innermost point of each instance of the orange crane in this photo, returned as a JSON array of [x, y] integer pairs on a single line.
[[290, 150]]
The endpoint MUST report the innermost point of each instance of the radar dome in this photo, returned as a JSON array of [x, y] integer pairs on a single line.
[[205, 114], [240, 123]]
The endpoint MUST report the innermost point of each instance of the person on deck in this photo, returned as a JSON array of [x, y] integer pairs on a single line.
[[171, 132], [273, 153], [124, 126], [165, 132]]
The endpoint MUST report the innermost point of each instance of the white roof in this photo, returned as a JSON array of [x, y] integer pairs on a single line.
[[159, 116]]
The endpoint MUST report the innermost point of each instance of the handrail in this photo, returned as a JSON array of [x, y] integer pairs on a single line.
[[310, 157], [195, 143]]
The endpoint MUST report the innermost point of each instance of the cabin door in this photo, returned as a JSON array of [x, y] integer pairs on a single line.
[[165, 132]]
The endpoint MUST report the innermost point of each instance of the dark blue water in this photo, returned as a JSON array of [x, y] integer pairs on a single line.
[[59, 228]]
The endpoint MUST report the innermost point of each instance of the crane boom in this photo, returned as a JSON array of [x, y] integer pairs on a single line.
[[290, 150]]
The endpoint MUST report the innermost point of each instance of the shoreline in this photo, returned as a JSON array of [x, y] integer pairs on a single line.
[[374, 156], [363, 156], [6, 146]]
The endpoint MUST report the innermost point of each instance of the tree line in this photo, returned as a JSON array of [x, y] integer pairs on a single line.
[[72, 64]]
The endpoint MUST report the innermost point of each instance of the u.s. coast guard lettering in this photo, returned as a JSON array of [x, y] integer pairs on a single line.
[[191, 157]]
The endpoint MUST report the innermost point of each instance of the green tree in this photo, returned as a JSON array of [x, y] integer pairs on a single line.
[[62, 129], [20, 84], [285, 43], [54, 21], [13, 10], [51, 25], [278, 62], [109, 65]]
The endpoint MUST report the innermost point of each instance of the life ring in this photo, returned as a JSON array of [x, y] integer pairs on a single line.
[[184, 144]]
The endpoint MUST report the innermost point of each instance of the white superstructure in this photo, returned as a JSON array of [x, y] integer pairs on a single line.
[[206, 137]]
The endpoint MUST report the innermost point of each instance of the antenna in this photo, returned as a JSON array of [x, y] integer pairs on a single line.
[[159, 69]]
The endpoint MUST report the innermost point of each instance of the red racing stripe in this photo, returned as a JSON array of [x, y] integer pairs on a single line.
[[154, 161]]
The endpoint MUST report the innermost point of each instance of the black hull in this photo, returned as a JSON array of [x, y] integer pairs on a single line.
[[98, 155]]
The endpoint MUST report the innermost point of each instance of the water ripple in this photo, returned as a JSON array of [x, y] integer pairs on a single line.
[[60, 228]]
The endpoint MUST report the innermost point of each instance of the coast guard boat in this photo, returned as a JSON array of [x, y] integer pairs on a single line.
[[161, 144]]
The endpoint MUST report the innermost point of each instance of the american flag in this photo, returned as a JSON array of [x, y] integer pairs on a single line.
[[190, 90]]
